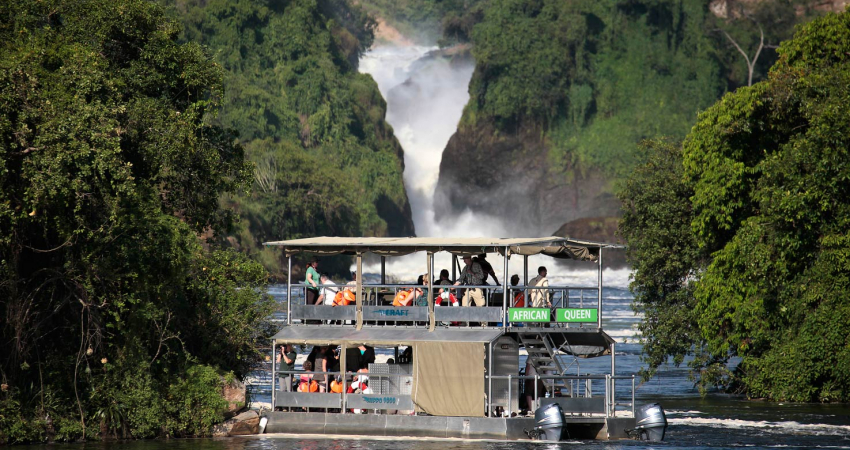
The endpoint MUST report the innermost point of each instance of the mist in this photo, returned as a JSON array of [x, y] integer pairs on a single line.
[[426, 92]]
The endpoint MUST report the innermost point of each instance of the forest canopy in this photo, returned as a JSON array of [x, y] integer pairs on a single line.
[[740, 237], [118, 313]]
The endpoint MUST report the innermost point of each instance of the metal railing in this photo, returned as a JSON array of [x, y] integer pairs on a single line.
[[580, 398], [378, 306]]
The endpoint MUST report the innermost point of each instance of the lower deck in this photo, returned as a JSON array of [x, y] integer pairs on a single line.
[[514, 428]]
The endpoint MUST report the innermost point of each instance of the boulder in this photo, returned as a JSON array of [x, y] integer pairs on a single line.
[[245, 423], [235, 394]]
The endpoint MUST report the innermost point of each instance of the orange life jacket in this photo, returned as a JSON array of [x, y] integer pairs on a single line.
[[344, 298], [519, 300], [403, 298], [312, 386], [336, 387]]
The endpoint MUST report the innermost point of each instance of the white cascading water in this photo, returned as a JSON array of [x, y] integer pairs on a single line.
[[425, 95]]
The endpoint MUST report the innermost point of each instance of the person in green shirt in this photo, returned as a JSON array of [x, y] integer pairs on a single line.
[[312, 281], [286, 362]]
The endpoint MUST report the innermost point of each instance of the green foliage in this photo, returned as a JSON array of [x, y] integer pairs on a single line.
[[325, 160], [766, 172], [197, 403], [664, 254], [110, 168]]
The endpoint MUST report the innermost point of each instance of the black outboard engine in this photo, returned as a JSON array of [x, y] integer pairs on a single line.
[[549, 421], [650, 422]]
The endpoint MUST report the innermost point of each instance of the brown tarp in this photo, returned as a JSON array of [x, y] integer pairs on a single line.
[[448, 378]]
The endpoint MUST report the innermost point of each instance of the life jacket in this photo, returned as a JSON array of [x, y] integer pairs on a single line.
[[344, 298], [336, 387], [519, 300], [403, 298], [311, 386]]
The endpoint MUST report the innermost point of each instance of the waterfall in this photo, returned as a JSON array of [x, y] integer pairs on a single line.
[[426, 93]]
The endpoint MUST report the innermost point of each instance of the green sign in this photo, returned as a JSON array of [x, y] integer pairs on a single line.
[[528, 315], [576, 315]]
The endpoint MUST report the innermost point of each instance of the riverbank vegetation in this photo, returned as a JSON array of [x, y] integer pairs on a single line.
[[120, 315], [740, 236], [325, 161]]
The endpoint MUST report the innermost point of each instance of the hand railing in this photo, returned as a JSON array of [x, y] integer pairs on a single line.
[[374, 399], [378, 308]]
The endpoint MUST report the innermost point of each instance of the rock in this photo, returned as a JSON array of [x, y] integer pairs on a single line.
[[235, 394], [245, 423], [510, 176]]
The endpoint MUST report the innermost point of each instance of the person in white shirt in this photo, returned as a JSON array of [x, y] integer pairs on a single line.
[[539, 297], [329, 290]]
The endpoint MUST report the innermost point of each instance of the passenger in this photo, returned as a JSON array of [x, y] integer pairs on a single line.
[[312, 281], [286, 363], [329, 291], [307, 384], [472, 275], [540, 297], [410, 297], [519, 296], [419, 296], [487, 268], [445, 295], [321, 365]]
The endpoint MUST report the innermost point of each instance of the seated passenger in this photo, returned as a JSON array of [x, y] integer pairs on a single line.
[[445, 295], [519, 296], [307, 383], [329, 291], [407, 297]]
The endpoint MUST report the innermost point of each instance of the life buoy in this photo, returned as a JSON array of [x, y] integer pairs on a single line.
[[336, 387], [403, 298], [312, 386], [519, 300]]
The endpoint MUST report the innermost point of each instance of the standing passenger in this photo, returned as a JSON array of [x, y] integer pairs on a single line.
[[540, 297], [312, 281], [286, 363], [472, 275], [487, 268]]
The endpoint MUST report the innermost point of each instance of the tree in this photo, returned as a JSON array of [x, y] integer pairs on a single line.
[[766, 173], [109, 172]]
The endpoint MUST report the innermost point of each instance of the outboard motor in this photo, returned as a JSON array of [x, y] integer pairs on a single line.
[[549, 422], [650, 422]]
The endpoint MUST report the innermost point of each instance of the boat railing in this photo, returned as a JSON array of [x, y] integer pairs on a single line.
[[577, 394], [391, 393], [570, 306]]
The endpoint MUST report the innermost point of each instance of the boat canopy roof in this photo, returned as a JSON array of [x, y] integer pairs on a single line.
[[390, 336], [554, 246]]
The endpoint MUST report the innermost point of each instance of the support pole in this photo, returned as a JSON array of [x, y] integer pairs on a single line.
[[613, 373], [454, 268], [359, 294], [506, 298], [490, 380], [274, 373], [432, 323], [599, 287], [383, 270], [289, 292], [525, 271], [342, 364]]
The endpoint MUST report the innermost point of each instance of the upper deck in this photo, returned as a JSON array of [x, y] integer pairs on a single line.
[[575, 315]]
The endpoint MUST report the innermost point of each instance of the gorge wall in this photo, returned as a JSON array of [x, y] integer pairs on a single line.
[[563, 93]]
